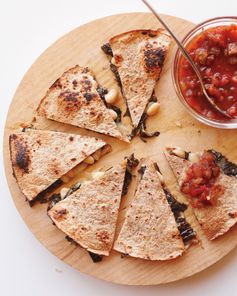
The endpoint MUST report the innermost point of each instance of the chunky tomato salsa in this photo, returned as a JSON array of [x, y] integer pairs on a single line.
[[215, 53], [200, 181]]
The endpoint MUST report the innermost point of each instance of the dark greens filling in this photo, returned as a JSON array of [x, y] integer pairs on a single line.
[[55, 198], [70, 240], [185, 229], [42, 196], [229, 168], [114, 69], [132, 162], [141, 131], [95, 257], [141, 171], [107, 49]]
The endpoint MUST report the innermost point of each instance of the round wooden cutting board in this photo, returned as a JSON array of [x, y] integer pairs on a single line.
[[177, 127]]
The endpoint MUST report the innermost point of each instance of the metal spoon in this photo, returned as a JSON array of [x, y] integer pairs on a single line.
[[187, 56]]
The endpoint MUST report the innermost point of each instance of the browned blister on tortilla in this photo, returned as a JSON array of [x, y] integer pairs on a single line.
[[89, 215], [217, 219], [39, 158], [73, 99], [150, 230]]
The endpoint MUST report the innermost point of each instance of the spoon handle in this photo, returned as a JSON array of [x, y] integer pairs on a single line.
[[175, 38], [187, 56]]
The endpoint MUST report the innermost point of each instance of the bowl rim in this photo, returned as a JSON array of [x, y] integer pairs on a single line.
[[232, 124]]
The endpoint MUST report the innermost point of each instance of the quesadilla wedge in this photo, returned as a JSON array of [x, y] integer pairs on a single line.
[[89, 215], [74, 99], [137, 58], [40, 158], [209, 181], [150, 230]]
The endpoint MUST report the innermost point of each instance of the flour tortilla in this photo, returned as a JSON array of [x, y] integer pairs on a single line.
[[214, 220], [73, 99], [39, 158], [89, 215], [149, 230], [139, 56]]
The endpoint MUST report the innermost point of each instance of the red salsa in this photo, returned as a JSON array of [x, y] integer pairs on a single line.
[[214, 51], [200, 181]]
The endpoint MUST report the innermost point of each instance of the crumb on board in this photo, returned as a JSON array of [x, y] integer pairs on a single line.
[[178, 124], [58, 270]]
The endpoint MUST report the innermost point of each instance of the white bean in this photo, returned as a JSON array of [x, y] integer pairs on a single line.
[[111, 96], [96, 155], [194, 157], [152, 109], [89, 160], [113, 114], [113, 61], [63, 192], [179, 152]]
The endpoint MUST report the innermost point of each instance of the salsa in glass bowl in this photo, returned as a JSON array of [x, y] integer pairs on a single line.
[[212, 45]]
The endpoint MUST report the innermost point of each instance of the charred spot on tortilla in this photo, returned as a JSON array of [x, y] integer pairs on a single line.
[[153, 57], [229, 168], [95, 257], [22, 156], [186, 231], [69, 96], [89, 96], [107, 49]]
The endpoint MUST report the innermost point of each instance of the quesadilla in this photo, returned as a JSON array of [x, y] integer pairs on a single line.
[[209, 181], [137, 58], [40, 158], [74, 99], [150, 230], [89, 215]]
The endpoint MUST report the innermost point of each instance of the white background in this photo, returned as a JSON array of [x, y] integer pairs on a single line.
[[27, 28]]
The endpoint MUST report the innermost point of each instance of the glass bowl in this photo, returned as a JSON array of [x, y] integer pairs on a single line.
[[219, 21]]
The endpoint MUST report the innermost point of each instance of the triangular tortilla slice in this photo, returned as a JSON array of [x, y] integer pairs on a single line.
[[149, 230], [73, 99], [139, 57], [215, 220], [39, 158], [89, 215]]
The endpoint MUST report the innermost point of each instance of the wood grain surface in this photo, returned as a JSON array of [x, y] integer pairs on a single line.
[[82, 46]]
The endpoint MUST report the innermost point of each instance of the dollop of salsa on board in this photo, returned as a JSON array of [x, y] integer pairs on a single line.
[[214, 51], [200, 181]]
